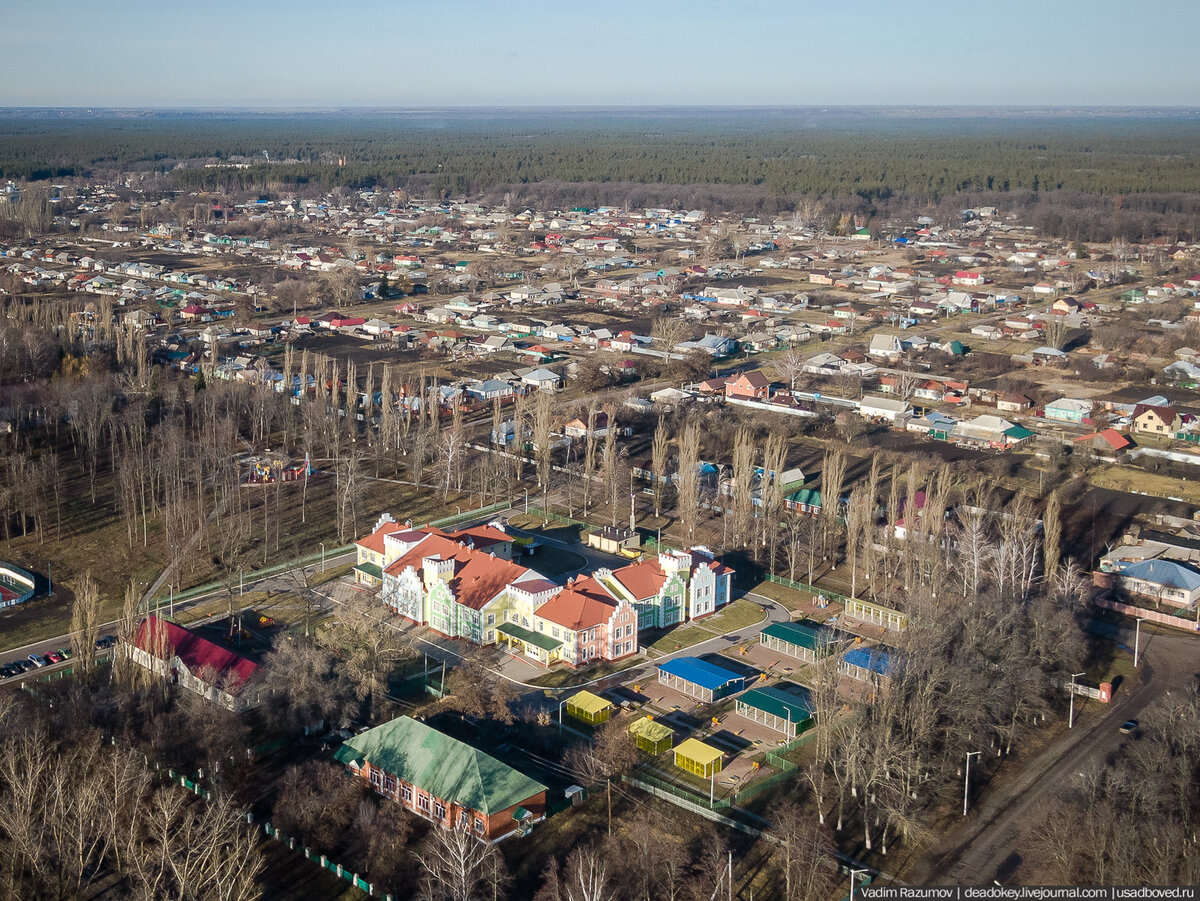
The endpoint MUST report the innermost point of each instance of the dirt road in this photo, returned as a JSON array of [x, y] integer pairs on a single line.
[[992, 844]]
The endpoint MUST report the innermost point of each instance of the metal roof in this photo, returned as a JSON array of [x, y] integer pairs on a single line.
[[1164, 572], [794, 705], [650, 730], [537, 639], [587, 702], [700, 672], [876, 660], [804, 634], [694, 749], [443, 766]]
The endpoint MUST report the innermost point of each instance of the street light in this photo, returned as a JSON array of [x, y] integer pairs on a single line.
[[527, 501], [854, 874], [967, 779], [1071, 717], [560, 707], [1137, 635], [322, 556]]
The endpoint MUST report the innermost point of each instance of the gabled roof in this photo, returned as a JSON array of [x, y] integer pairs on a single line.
[[232, 671], [374, 541], [444, 767], [700, 672]]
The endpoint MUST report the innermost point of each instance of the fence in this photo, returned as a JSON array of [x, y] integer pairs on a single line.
[[1154, 616], [324, 862], [804, 586]]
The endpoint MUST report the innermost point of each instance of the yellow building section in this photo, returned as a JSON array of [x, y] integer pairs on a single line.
[[651, 737], [697, 758], [589, 708]]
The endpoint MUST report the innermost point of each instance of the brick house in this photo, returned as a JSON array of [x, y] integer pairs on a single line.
[[444, 780]]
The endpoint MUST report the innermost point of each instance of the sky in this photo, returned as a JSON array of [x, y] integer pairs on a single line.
[[433, 53]]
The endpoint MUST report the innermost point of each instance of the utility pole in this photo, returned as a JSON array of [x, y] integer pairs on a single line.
[[1137, 635], [1071, 717], [967, 779]]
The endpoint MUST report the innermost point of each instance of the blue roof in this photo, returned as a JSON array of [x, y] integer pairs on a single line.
[[1164, 572], [699, 672], [876, 660]]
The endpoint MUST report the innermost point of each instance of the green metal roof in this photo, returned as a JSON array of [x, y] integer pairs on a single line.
[[1018, 432], [808, 496], [443, 766], [537, 639], [370, 569], [787, 705], [806, 635]]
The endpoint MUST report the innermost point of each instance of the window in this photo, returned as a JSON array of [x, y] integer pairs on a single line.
[[439, 810], [423, 802], [491, 636], [629, 630], [389, 783], [554, 631], [628, 647], [406, 793], [479, 825], [491, 621], [525, 621], [376, 778]]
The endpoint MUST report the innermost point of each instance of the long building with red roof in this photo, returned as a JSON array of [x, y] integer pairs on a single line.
[[188, 659]]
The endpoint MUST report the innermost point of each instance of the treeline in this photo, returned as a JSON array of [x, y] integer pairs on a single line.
[[871, 156]]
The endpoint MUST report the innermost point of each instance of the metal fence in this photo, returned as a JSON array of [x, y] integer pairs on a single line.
[[324, 862]]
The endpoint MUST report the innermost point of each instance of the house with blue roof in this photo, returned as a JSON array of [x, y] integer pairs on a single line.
[[1163, 581]]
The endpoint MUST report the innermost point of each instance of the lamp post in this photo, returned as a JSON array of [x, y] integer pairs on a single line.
[[560, 707], [1071, 717], [967, 779], [322, 556], [1137, 635], [527, 501], [854, 874]]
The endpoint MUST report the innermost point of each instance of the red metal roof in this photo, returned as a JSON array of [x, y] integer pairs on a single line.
[[232, 670]]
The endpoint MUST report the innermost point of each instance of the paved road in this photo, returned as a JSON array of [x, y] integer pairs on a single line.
[[284, 581], [988, 846]]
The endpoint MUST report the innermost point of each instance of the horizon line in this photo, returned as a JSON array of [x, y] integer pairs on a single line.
[[822, 107]]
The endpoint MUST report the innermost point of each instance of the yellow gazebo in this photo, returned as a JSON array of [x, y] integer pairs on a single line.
[[651, 737], [589, 708], [697, 758]]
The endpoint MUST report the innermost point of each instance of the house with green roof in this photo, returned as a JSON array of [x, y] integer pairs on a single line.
[[445, 780]]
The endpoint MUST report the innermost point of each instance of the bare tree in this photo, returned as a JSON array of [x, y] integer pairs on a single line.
[[85, 624], [688, 479], [455, 865], [658, 465]]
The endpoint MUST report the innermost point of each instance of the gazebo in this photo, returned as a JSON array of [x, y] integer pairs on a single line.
[[694, 756], [589, 708], [651, 737]]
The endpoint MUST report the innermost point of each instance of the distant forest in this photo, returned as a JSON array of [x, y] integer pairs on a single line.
[[1094, 176]]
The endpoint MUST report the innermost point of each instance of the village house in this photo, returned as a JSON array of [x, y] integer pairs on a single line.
[[1155, 420]]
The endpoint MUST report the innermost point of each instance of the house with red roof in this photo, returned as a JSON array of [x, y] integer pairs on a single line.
[[466, 584], [187, 659], [749, 386]]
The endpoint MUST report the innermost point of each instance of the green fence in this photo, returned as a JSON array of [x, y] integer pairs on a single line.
[[322, 861], [804, 586]]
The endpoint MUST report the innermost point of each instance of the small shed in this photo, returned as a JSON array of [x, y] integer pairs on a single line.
[[651, 737], [788, 712], [697, 758], [614, 540], [699, 678], [589, 708]]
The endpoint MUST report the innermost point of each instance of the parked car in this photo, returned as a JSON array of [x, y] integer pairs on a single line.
[[8, 670], [37, 660], [65, 653], [106, 642], [22, 666], [54, 657]]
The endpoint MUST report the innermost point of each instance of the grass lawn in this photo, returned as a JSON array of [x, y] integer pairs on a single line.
[[1123, 478], [789, 597], [681, 637], [553, 561], [732, 617], [565, 677]]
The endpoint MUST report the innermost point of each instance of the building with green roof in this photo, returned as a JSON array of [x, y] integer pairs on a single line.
[[788, 711], [805, 640], [443, 779]]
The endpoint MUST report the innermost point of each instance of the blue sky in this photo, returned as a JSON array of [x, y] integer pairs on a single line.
[[222, 53]]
